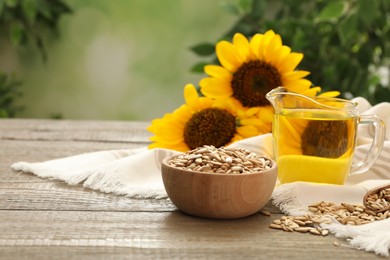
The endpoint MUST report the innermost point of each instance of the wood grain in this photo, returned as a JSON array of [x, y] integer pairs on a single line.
[[47, 219]]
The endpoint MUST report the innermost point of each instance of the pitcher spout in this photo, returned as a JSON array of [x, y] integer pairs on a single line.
[[277, 97], [274, 94]]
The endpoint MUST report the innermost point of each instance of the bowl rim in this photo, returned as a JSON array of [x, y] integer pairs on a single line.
[[164, 162]]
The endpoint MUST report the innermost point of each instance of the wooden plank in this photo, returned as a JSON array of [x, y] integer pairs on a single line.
[[158, 235], [58, 196], [73, 130]]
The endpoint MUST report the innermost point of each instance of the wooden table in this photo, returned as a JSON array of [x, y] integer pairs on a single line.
[[41, 218]]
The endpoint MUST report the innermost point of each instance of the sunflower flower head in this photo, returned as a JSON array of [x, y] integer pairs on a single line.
[[202, 121], [251, 68]]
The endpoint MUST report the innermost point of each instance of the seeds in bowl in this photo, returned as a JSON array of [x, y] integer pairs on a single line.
[[379, 201], [224, 160]]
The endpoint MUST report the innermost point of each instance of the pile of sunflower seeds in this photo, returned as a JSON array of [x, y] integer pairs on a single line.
[[302, 224], [224, 160], [324, 212], [380, 201]]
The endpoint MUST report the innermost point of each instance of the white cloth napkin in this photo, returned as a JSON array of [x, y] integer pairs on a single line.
[[136, 173], [294, 198]]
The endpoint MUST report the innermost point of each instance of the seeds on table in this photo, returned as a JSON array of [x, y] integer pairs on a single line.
[[323, 212]]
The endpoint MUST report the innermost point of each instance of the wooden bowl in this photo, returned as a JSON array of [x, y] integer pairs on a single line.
[[218, 196]]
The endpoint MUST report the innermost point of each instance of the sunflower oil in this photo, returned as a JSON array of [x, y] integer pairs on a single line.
[[314, 145]]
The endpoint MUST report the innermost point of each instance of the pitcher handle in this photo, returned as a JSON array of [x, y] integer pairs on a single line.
[[376, 145]]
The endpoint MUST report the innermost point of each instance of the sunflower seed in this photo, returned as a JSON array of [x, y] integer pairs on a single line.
[[325, 232], [314, 231], [379, 201], [265, 213], [323, 212], [275, 226], [302, 229], [221, 160]]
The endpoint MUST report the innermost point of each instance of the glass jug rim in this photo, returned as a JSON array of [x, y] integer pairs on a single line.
[[348, 103]]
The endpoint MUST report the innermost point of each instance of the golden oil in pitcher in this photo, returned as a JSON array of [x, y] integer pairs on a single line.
[[314, 145]]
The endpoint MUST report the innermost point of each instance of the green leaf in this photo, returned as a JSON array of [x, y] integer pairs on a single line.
[[347, 30], [1, 7], [3, 113], [382, 94], [199, 67], [245, 4], [299, 40], [29, 10], [230, 8], [204, 49], [332, 11], [11, 3], [16, 33], [258, 8], [43, 9], [367, 11]]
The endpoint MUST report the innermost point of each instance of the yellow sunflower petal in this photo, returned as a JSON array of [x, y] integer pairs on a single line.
[[215, 88], [181, 147], [236, 103], [255, 43], [218, 72], [166, 140], [291, 62], [294, 75], [242, 45], [268, 36], [236, 138], [272, 50], [330, 94], [252, 111], [205, 103], [182, 113], [167, 130], [191, 95], [284, 51], [212, 82], [298, 86], [266, 113], [252, 121], [311, 92], [228, 56], [247, 131]]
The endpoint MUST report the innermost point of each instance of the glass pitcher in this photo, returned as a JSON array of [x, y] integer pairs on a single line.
[[315, 137]]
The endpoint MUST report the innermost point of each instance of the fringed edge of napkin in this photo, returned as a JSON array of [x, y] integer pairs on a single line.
[[101, 180], [285, 198], [372, 237]]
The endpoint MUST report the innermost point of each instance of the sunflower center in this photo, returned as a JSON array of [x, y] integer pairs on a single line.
[[253, 80], [325, 139], [211, 126]]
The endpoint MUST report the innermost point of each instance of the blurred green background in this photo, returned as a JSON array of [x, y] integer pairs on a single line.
[[129, 59], [121, 59]]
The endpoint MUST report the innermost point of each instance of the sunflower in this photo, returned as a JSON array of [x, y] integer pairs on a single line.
[[250, 69], [204, 121]]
